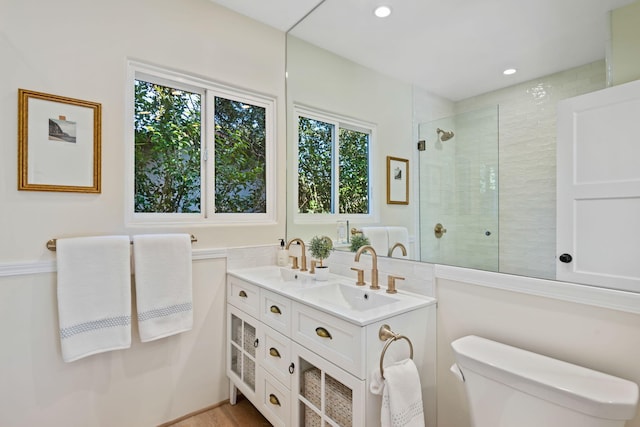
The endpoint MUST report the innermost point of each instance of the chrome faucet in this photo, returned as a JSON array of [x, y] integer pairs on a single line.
[[374, 264], [397, 245], [303, 257]]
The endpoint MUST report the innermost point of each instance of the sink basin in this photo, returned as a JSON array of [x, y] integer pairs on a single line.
[[346, 297], [289, 275], [339, 296]]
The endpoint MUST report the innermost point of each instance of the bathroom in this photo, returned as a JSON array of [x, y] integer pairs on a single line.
[[152, 383]]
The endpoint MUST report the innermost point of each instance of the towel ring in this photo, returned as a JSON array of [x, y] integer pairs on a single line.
[[386, 334]]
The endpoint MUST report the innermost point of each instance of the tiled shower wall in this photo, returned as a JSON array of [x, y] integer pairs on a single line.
[[527, 159], [459, 189]]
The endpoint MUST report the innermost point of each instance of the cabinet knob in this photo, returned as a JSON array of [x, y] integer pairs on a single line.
[[256, 342], [274, 352], [275, 309], [273, 399], [292, 368], [566, 258], [322, 332], [242, 294]]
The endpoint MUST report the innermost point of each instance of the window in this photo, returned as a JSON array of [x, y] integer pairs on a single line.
[[333, 166], [202, 152]]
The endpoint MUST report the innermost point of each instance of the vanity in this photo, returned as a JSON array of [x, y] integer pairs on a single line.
[[303, 351]]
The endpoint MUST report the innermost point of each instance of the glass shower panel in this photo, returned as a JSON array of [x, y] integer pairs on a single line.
[[458, 178]]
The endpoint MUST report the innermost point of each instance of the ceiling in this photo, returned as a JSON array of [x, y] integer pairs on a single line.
[[452, 48]]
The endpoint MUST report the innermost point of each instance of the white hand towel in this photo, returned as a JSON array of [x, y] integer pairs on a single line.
[[162, 264], [94, 295], [398, 235], [401, 395], [378, 238]]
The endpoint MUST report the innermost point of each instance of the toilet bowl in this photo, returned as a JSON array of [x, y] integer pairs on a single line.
[[510, 387]]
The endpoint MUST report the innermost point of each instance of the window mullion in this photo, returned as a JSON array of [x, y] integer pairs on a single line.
[[335, 170], [208, 163]]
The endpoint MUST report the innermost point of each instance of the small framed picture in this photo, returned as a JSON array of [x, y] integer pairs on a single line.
[[397, 181], [58, 143]]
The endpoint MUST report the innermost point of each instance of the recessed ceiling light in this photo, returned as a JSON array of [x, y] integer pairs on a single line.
[[382, 11], [509, 71]]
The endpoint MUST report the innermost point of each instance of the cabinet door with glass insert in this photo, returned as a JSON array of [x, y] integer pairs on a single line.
[[243, 333], [325, 395]]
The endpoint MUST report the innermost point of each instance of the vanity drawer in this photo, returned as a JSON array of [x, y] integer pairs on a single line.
[[338, 341], [275, 311], [276, 357], [276, 401], [243, 295]]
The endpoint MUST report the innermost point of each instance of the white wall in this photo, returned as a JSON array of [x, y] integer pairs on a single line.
[[625, 42], [527, 164], [325, 81], [144, 385], [79, 49]]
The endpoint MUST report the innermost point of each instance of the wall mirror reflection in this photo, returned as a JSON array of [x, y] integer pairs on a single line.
[[482, 143]]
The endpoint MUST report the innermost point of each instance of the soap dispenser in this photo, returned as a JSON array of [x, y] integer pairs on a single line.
[[283, 255]]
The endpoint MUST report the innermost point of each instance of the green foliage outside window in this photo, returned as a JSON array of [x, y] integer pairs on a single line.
[[315, 154], [168, 153], [317, 177], [354, 172], [167, 149], [241, 181]]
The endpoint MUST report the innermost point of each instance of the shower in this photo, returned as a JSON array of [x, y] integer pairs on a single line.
[[444, 135], [458, 190]]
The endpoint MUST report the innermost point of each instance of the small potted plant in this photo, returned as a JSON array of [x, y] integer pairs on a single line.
[[320, 248], [357, 241]]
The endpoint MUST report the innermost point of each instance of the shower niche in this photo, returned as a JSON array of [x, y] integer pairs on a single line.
[[458, 181]]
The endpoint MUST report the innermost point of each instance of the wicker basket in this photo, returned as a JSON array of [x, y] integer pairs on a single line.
[[338, 404]]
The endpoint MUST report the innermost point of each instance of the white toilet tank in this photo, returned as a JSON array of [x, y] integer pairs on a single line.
[[511, 387]]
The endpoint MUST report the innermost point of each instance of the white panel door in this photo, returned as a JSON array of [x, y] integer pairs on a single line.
[[598, 211]]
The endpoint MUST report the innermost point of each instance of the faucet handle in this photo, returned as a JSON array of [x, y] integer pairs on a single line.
[[391, 284], [360, 281], [312, 269], [294, 262]]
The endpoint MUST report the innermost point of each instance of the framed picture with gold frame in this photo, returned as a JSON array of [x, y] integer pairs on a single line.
[[58, 143], [397, 181]]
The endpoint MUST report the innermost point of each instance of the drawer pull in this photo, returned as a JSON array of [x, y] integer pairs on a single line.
[[275, 309], [274, 352], [322, 332], [242, 294], [274, 400]]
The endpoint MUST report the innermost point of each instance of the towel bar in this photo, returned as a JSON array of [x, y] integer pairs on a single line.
[[386, 334], [51, 243]]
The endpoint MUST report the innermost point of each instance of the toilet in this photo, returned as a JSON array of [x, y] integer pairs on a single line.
[[510, 387]]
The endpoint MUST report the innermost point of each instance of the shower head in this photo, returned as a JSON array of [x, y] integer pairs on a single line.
[[444, 135]]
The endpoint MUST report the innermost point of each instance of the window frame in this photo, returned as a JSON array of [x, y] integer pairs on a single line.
[[208, 89], [339, 122]]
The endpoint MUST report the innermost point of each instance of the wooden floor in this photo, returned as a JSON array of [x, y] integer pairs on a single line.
[[242, 414]]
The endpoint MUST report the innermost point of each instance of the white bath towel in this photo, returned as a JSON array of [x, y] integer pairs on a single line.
[[162, 264], [401, 395], [398, 235], [378, 238], [94, 295]]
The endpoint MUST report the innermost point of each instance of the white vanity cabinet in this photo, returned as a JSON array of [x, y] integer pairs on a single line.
[[302, 366]]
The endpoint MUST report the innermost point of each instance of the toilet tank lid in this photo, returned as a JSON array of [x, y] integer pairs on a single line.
[[572, 386]]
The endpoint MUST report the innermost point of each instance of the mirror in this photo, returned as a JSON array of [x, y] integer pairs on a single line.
[[522, 182]]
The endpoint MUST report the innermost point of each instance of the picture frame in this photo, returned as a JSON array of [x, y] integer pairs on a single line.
[[59, 143], [397, 181]]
